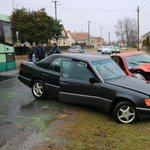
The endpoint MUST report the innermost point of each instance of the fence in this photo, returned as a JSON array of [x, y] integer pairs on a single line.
[[23, 50]]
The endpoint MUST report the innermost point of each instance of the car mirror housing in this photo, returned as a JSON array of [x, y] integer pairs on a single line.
[[93, 80]]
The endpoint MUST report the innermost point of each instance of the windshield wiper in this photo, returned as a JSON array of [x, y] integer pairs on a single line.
[[143, 61], [133, 63]]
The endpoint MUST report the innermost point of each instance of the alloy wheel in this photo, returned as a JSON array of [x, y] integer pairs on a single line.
[[38, 89], [126, 114]]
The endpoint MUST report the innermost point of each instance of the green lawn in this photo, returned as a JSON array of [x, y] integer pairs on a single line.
[[97, 130]]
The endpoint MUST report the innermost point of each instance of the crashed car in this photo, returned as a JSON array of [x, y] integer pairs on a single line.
[[135, 64], [88, 79]]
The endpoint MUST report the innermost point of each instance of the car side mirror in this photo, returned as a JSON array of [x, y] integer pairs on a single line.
[[93, 80]]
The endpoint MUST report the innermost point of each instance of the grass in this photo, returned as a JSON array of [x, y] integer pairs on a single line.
[[128, 50], [98, 131]]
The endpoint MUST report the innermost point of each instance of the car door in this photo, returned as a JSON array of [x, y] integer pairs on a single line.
[[52, 75], [75, 86]]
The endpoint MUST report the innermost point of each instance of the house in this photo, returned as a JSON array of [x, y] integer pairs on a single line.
[[146, 35], [69, 40], [100, 41], [82, 37], [62, 40]]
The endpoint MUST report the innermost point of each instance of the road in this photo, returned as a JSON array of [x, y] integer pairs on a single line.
[[24, 119]]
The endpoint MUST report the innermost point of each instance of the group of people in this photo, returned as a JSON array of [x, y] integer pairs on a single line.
[[40, 51]]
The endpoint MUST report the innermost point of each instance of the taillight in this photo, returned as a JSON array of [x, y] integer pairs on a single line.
[[77, 49], [19, 70], [68, 49]]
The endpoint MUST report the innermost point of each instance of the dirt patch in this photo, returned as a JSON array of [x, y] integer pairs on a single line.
[[55, 135]]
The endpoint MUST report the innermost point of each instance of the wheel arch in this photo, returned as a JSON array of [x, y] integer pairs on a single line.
[[35, 78], [117, 100]]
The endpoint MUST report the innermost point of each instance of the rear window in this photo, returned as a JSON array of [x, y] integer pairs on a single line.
[[74, 47]]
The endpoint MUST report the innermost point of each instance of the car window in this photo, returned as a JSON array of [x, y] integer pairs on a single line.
[[75, 70], [115, 58], [55, 64]]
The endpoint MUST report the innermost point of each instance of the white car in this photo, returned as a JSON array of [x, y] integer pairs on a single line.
[[99, 48], [106, 50]]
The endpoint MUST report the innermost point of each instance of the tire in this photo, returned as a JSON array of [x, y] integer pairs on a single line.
[[39, 89], [130, 114]]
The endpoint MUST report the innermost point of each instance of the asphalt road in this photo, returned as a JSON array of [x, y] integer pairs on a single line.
[[21, 115]]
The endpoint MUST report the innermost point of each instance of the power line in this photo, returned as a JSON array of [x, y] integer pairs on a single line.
[[145, 3], [141, 3], [145, 13]]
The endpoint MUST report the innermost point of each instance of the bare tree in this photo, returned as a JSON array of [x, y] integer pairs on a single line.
[[126, 30]]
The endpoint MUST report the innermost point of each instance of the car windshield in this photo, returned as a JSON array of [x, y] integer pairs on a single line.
[[137, 60], [99, 46], [107, 47], [116, 47], [108, 69]]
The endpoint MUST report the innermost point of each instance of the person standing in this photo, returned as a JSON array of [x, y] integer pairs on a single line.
[[39, 52], [55, 49], [30, 52]]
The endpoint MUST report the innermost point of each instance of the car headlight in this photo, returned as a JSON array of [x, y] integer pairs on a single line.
[[139, 76]]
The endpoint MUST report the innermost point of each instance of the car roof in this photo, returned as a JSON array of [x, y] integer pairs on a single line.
[[86, 57], [129, 53]]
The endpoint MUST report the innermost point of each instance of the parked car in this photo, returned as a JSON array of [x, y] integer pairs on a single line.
[[75, 49], [135, 64], [88, 79], [116, 49], [106, 50], [99, 48]]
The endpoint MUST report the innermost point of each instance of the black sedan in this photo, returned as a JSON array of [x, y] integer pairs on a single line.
[[89, 79]]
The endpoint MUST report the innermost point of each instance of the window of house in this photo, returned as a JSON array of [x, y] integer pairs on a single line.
[[60, 42], [64, 42], [69, 42]]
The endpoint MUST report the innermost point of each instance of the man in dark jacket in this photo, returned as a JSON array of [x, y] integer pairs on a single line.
[[55, 49], [30, 52], [39, 52]]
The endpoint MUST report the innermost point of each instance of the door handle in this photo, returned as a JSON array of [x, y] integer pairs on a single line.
[[45, 74], [64, 83]]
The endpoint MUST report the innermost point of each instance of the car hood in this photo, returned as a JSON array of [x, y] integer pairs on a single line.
[[144, 67], [131, 83]]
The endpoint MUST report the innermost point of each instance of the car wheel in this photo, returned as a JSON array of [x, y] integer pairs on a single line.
[[39, 89], [125, 113]]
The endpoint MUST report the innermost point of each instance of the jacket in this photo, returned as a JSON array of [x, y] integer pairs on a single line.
[[55, 50], [39, 52]]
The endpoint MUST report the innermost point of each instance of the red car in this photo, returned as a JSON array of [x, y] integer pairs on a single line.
[[135, 64]]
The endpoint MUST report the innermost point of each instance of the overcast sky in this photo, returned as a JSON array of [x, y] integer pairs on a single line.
[[75, 13]]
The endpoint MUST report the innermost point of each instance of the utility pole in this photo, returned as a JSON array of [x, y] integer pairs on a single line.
[[138, 26], [13, 4], [88, 33], [101, 32], [109, 37], [55, 9]]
